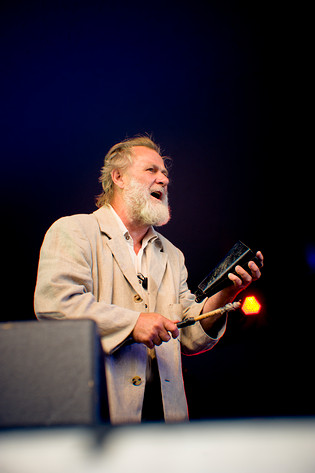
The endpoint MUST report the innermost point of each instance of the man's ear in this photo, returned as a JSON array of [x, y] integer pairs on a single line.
[[117, 178]]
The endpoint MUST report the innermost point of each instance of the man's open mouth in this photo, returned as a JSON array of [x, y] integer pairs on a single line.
[[157, 195]]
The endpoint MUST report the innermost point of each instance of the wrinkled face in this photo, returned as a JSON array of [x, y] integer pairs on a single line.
[[145, 193], [148, 169]]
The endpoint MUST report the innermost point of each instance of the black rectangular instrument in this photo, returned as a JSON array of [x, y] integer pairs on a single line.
[[218, 279]]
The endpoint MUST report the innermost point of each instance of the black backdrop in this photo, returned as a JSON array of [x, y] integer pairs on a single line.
[[222, 87]]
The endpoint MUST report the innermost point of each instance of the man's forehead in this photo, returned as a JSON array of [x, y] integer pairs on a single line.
[[143, 154]]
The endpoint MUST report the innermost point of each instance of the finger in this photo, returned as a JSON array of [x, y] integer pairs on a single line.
[[171, 327], [260, 257], [164, 336], [149, 344], [156, 340], [235, 280], [245, 276], [254, 270]]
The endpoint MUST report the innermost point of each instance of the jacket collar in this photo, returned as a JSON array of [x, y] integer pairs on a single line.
[[109, 225], [107, 222]]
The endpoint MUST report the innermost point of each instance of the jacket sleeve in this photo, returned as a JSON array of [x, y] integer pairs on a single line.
[[64, 287], [193, 338]]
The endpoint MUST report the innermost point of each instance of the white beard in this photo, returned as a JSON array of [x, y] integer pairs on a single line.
[[143, 208]]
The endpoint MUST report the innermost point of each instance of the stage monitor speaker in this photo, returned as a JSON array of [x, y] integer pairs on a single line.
[[51, 373]]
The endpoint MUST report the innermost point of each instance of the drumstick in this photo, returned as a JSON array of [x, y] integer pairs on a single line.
[[221, 310]]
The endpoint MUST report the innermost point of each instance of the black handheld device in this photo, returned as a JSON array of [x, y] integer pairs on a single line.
[[218, 279]]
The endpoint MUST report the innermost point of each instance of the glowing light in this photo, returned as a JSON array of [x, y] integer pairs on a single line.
[[251, 306]]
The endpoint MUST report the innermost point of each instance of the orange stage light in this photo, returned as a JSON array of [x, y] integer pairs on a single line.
[[251, 306]]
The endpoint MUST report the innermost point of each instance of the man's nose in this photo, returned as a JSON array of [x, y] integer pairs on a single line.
[[162, 179]]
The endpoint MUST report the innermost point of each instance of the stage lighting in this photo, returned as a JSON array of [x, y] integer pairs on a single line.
[[251, 306]]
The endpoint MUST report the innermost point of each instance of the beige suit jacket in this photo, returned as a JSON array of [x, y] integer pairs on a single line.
[[85, 271]]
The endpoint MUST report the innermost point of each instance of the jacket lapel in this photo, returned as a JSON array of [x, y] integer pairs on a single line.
[[157, 260], [116, 243], [123, 258]]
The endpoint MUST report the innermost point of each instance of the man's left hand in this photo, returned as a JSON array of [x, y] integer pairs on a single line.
[[229, 293], [246, 275]]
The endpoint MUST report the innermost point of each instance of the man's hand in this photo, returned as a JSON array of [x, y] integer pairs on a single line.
[[153, 329], [247, 275], [229, 293]]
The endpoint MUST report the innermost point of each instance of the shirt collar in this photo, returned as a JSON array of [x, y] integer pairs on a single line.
[[151, 234]]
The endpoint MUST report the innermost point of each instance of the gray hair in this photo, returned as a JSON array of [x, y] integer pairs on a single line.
[[119, 157]]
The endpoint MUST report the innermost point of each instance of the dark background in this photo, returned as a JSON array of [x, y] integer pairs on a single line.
[[223, 88]]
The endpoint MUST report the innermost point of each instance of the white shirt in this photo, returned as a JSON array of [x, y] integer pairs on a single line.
[[139, 260], [141, 266]]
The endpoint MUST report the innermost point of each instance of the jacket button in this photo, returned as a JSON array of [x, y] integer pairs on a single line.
[[136, 381], [137, 298]]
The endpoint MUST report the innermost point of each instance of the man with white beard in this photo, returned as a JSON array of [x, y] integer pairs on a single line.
[[113, 267]]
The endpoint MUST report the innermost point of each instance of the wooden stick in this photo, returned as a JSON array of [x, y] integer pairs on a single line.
[[192, 320], [227, 308]]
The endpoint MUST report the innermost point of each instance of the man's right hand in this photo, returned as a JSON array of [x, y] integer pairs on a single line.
[[153, 329]]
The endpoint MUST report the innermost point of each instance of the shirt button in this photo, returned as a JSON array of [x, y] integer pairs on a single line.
[[136, 381], [137, 298]]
